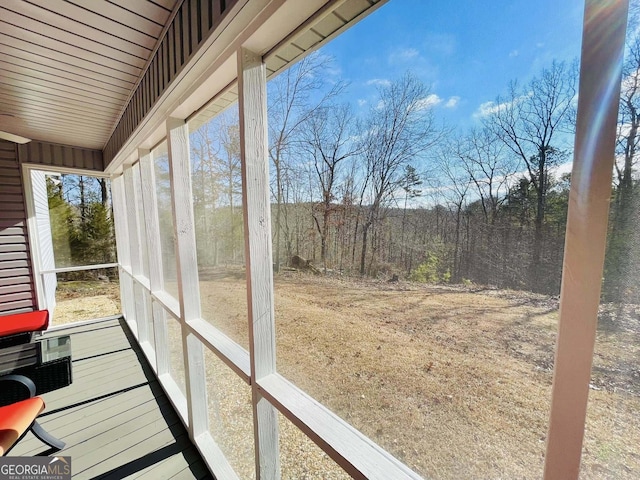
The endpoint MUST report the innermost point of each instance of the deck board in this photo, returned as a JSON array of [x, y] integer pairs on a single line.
[[114, 417]]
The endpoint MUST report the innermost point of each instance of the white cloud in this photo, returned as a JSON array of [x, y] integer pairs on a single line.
[[563, 169], [489, 108], [452, 102], [514, 53], [410, 53], [440, 44], [624, 129], [362, 102], [403, 55], [379, 82], [428, 102], [630, 82]]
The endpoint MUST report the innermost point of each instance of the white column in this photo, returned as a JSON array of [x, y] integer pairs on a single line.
[[154, 248], [187, 273], [122, 243], [600, 74], [258, 253], [38, 203], [133, 225]]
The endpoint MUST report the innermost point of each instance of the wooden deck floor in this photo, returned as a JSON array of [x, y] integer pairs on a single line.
[[115, 419]]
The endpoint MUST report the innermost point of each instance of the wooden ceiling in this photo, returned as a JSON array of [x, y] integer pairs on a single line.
[[68, 67]]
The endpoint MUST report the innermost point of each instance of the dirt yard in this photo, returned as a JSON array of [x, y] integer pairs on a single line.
[[454, 381], [85, 300]]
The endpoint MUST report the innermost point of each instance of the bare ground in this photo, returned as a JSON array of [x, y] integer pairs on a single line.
[[421, 370], [85, 300], [454, 381]]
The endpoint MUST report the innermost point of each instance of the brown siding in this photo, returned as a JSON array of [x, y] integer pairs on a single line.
[[43, 153], [193, 23], [16, 275]]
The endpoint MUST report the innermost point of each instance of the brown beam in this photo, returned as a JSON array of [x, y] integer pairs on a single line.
[[600, 74]]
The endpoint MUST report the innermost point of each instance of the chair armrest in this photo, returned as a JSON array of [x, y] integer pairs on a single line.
[[24, 322], [26, 382]]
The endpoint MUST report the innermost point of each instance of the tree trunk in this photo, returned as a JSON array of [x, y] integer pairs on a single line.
[[536, 282], [324, 232], [363, 254], [276, 242], [232, 220], [456, 250], [355, 240], [83, 201], [104, 197]]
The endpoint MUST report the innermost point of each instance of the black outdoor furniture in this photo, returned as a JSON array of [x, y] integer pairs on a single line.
[[18, 418]]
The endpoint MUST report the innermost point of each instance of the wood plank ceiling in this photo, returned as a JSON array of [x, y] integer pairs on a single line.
[[68, 67]]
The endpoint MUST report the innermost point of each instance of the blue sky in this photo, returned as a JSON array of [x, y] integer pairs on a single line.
[[467, 51]]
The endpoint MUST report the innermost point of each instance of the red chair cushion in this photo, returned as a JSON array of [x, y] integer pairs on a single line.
[[16, 418], [24, 322]]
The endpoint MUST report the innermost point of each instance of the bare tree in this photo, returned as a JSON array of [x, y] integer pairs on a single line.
[[228, 166], [328, 140], [104, 196], [206, 188], [529, 120], [490, 168], [347, 212], [409, 183], [455, 182], [628, 121], [294, 96], [397, 130], [618, 266]]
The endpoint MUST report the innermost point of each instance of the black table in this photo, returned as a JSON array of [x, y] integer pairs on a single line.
[[46, 362]]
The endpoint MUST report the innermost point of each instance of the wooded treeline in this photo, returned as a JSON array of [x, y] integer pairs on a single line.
[[394, 190], [81, 221]]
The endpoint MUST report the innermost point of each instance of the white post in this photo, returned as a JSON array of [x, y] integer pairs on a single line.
[[122, 242], [154, 248], [133, 224], [187, 273], [600, 74], [39, 224], [258, 253]]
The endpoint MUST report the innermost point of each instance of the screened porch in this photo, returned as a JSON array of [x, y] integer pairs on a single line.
[[186, 381]]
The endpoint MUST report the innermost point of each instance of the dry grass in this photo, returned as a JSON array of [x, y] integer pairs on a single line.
[[454, 381], [85, 300], [421, 370]]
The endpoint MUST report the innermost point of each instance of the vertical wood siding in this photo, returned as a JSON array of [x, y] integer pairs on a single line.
[[43, 153], [17, 293], [193, 23]]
